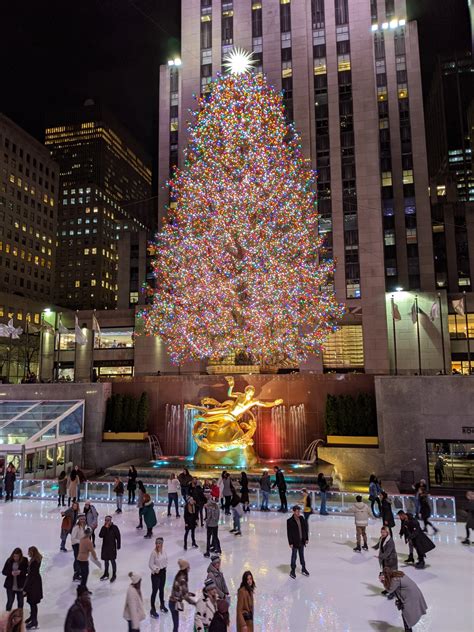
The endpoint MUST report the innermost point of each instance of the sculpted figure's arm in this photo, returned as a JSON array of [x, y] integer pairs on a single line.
[[277, 402]]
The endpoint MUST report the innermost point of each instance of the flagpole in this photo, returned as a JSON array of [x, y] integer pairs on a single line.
[[442, 332], [418, 333], [25, 366], [394, 338], [9, 359], [40, 359], [467, 333], [56, 329], [75, 346], [93, 345]]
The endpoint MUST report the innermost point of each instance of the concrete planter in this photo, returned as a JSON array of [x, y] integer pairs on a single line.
[[333, 440], [124, 436], [229, 369]]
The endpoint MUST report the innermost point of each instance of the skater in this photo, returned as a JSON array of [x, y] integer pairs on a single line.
[[206, 607], [417, 487], [227, 492], [297, 532], [323, 490], [404, 533], [374, 492], [245, 603], [307, 507], [421, 541], [221, 620], [118, 490], [387, 552], [9, 482], [79, 615], [33, 587], [386, 513], [140, 496], [200, 498], [86, 549], [212, 527], [157, 564], [439, 470], [92, 518], [244, 491], [80, 480], [470, 517], [62, 489], [280, 483], [73, 485], [69, 519], [190, 521], [237, 512], [76, 536], [215, 490], [134, 611], [173, 486], [111, 543], [409, 598], [185, 479], [15, 570], [149, 516], [214, 572], [131, 484], [265, 488], [180, 593], [425, 509], [361, 519]]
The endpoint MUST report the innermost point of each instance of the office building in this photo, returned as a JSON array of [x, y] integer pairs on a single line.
[[105, 184], [350, 76]]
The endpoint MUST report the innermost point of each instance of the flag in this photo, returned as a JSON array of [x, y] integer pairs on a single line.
[[434, 311], [9, 331], [395, 312], [95, 325], [47, 328], [80, 337], [32, 329], [61, 328], [458, 306]]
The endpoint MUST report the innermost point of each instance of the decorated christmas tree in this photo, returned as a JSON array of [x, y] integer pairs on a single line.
[[237, 261]]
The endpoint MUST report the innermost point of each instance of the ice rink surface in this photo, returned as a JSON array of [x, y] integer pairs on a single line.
[[341, 595]]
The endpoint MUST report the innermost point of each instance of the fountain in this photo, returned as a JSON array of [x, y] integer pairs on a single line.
[[179, 440]]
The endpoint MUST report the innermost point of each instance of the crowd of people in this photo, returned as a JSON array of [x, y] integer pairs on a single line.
[[202, 504]]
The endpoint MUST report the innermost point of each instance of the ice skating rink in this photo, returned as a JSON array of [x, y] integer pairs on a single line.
[[341, 595]]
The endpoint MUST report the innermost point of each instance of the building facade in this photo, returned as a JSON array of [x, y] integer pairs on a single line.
[[29, 191], [105, 182], [350, 76]]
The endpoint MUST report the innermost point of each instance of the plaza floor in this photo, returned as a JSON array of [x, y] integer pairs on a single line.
[[342, 594]]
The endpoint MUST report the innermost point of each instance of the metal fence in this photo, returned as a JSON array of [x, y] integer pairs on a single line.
[[337, 503]]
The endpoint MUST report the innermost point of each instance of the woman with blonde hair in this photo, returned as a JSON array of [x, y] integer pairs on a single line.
[[12, 621], [33, 587], [409, 598]]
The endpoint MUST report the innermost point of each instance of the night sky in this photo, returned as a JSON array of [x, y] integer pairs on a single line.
[[57, 53]]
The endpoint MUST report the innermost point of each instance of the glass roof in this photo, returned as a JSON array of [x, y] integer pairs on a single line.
[[46, 422]]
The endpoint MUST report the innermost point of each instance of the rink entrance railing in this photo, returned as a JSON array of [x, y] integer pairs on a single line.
[[337, 503]]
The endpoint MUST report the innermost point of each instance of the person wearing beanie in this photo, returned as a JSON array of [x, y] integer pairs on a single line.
[[216, 575], [212, 527], [86, 548], [221, 620], [205, 607], [77, 534], [79, 615], [157, 564], [111, 542], [361, 518], [134, 611], [190, 522], [297, 531], [149, 515], [180, 593]]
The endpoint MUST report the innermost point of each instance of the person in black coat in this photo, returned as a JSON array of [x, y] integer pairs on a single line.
[[190, 522], [297, 532], [386, 513], [10, 478], [79, 615], [111, 542], [15, 570], [280, 483], [244, 491], [33, 587], [132, 484], [425, 509], [201, 500], [414, 533]]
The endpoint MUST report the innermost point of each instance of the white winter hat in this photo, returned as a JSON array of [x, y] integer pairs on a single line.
[[134, 577]]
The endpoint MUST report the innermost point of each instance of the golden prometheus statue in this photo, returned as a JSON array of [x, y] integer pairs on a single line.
[[223, 431]]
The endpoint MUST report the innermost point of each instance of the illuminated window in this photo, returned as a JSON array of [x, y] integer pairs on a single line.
[[344, 348], [37, 318], [320, 66], [389, 237], [86, 251], [403, 91], [77, 284], [94, 251], [408, 176], [411, 236], [386, 178], [93, 282]]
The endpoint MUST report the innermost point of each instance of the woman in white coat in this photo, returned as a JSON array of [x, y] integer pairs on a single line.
[[134, 611]]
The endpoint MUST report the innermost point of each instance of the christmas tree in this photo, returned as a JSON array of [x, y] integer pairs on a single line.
[[237, 262]]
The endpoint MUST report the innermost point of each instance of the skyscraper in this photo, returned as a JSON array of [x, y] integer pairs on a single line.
[[105, 182], [350, 76]]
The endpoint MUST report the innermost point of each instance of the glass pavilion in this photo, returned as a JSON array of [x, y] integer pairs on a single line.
[[37, 436]]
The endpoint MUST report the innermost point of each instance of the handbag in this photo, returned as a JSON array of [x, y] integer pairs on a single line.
[[248, 616]]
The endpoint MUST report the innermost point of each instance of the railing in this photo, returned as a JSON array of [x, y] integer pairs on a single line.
[[337, 503]]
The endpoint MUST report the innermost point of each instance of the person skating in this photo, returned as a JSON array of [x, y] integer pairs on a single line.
[[92, 518], [85, 549], [265, 488], [214, 572], [185, 479], [386, 513], [77, 534], [425, 509], [206, 607], [404, 533], [173, 487], [118, 491], [12, 621], [421, 541], [179, 593], [111, 543], [280, 484], [81, 478], [307, 504], [244, 491], [62, 489], [470, 516], [409, 598], [157, 564], [323, 490], [361, 519], [79, 616], [221, 620], [131, 484], [419, 485], [374, 493], [215, 490], [212, 527], [72, 488], [245, 603], [149, 515], [227, 492], [200, 498], [15, 570], [237, 512], [297, 532], [69, 519], [140, 502], [387, 552], [190, 522], [134, 610], [9, 482], [33, 587]]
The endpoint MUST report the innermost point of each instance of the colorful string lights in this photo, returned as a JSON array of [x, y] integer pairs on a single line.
[[237, 262]]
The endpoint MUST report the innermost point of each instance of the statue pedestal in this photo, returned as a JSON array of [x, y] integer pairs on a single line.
[[238, 457]]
